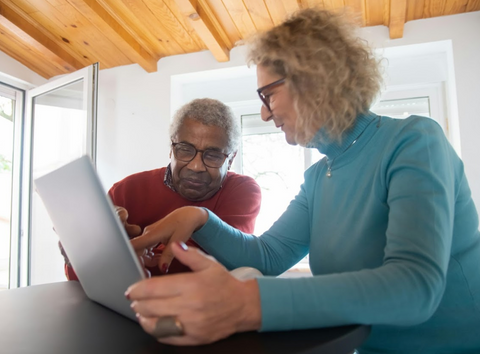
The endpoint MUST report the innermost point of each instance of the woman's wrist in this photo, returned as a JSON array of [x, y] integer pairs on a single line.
[[201, 217]]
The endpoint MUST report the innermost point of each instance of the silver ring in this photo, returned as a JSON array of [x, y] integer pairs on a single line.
[[168, 326]]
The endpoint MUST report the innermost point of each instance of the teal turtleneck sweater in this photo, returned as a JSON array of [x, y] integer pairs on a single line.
[[393, 240]]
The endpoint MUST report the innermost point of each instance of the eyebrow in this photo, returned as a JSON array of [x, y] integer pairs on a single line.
[[215, 148]]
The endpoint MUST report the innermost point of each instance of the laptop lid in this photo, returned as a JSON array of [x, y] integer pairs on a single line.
[[91, 233]]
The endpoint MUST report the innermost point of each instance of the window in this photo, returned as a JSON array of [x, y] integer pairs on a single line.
[[8, 112], [277, 167], [58, 125]]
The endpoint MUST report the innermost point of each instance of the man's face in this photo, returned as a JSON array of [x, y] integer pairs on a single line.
[[193, 180]]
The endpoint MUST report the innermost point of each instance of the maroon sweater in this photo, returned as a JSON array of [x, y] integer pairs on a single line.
[[147, 199]]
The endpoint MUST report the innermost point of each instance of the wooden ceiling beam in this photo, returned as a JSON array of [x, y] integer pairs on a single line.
[[25, 54], [203, 21], [105, 23], [13, 18], [398, 14]]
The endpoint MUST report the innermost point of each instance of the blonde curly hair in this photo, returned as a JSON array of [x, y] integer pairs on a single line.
[[330, 72]]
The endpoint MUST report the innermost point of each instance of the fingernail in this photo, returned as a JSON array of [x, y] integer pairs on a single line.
[[127, 294], [182, 245], [164, 268]]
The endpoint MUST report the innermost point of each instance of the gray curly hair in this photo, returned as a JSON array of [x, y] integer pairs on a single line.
[[332, 74], [212, 113]]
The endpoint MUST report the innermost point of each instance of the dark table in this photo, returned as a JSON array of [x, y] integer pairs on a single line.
[[59, 318]]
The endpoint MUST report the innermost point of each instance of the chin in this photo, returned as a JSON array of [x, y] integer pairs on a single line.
[[290, 140]]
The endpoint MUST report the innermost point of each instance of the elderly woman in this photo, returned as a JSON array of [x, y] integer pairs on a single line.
[[387, 217]]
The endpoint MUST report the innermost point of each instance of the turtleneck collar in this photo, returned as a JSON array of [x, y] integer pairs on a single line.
[[331, 147]]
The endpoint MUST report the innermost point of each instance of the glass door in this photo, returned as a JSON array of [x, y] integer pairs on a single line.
[[11, 102], [62, 127]]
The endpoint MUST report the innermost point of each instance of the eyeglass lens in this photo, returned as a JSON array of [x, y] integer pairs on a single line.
[[211, 158]]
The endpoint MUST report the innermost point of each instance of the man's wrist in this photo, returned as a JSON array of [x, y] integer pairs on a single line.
[[251, 317]]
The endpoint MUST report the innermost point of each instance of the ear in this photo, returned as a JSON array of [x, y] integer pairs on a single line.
[[230, 161], [170, 154]]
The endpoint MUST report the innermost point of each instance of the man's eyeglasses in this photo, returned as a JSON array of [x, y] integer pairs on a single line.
[[266, 98], [187, 152]]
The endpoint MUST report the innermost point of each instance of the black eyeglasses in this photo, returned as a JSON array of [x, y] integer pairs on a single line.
[[266, 98], [187, 152]]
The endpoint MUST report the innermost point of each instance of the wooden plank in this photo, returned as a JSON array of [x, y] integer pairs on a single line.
[[38, 36], [78, 34], [434, 8], [291, 6], [240, 16], [134, 26], [303, 4], [473, 5], [415, 9], [172, 26], [259, 14], [206, 26], [223, 16], [375, 12], [455, 7], [356, 11], [153, 25], [107, 25], [279, 11], [333, 5], [25, 54], [185, 24], [398, 12], [86, 35], [25, 6]]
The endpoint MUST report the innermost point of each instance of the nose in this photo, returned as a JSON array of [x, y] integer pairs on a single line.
[[197, 163], [265, 114]]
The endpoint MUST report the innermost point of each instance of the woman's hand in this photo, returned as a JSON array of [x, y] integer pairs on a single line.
[[178, 226], [209, 303]]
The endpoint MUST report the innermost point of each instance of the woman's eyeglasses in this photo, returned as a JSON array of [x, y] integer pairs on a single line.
[[187, 152], [266, 98]]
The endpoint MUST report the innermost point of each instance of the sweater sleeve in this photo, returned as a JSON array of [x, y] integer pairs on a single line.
[[240, 205], [406, 289], [278, 249]]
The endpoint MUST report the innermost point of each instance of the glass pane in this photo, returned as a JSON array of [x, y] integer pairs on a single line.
[[403, 108], [278, 169], [59, 136], [6, 156]]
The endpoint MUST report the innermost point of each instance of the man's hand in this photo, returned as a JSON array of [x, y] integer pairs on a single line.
[[132, 230], [64, 254]]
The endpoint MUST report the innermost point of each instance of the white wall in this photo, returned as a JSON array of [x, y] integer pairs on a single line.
[[135, 107], [16, 74]]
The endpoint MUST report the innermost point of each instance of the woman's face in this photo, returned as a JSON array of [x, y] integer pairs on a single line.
[[281, 104]]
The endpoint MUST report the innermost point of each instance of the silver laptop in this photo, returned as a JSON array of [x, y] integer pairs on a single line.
[[91, 233]]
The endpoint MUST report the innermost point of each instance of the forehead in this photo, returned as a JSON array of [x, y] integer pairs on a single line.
[[202, 136], [265, 77]]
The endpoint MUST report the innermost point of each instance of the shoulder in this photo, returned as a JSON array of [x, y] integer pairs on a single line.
[[142, 177], [238, 181], [413, 125]]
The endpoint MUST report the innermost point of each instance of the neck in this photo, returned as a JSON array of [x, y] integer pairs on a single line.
[[333, 147]]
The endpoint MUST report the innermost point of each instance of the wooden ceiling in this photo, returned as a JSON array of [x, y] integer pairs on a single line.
[[54, 37]]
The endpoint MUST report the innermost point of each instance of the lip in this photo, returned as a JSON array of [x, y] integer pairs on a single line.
[[193, 182]]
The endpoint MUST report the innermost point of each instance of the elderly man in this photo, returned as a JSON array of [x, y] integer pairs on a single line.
[[205, 136]]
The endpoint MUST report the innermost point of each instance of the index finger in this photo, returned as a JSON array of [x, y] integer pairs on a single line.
[[145, 241]]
